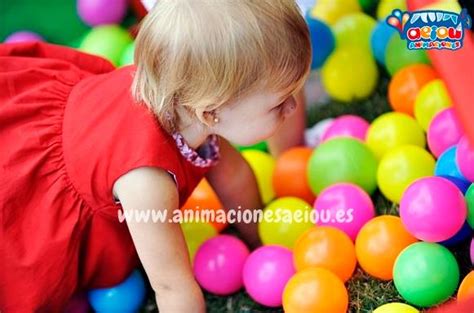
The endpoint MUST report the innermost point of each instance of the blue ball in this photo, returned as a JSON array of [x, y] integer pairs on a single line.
[[464, 233], [126, 297], [379, 40], [463, 185], [446, 164], [322, 41]]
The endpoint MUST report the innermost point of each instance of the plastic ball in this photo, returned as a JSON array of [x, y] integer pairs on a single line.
[[396, 308], [315, 290], [284, 220], [347, 126], [349, 73], [406, 84], [472, 251], [367, 5], [465, 158], [432, 99], [466, 289], [444, 5], [386, 7], [99, 12], [463, 185], [354, 29], [126, 297], [379, 40], [128, 55], [322, 41], [330, 11], [433, 209], [109, 41], [260, 146], [266, 272], [263, 165], [470, 205], [326, 247], [23, 36], [218, 264], [314, 135], [342, 160], [203, 197], [464, 233], [400, 167], [141, 7], [444, 131], [379, 243], [426, 274], [391, 130], [344, 206], [195, 234], [290, 175], [446, 165], [398, 56]]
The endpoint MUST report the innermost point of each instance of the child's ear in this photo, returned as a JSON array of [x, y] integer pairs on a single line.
[[205, 116]]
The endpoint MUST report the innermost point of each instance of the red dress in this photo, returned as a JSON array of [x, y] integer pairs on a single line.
[[68, 130]]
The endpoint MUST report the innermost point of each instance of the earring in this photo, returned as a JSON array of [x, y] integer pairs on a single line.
[[215, 118]]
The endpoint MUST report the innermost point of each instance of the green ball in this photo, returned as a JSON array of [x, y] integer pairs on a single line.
[[398, 56], [128, 54], [426, 274], [261, 146], [109, 41], [470, 205], [354, 29], [367, 5], [342, 160]]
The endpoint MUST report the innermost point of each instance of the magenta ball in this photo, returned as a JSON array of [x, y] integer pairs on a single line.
[[433, 209], [345, 206], [444, 131], [100, 12], [465, 158], [472, 250], [266, 272], [23, 36], [218, 264], [347, 126]]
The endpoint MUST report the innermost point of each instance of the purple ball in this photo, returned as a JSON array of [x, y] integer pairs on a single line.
[[100, 12], [472, 250], [23, 36]]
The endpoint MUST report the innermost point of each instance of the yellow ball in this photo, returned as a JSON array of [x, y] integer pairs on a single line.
[[263, 165], [391, 130], [330, 11], [431, 99], [396, 308], [195, 234], [400, 167], [284, 221], [445, 5], [386, 7]]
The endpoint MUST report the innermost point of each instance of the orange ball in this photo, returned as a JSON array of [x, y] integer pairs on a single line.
[[315, 290], [326, 247], [290, 174], [203, 197], [466, 290], [406, 84], [379, 243]]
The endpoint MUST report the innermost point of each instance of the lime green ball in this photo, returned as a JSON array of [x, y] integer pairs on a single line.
[[386, 7], [426, 274], [128, 54], [342, 160], [195, 234], [470, 205], [354, 29], [261, 146], [350, 73], [109, 41], [398, 56]]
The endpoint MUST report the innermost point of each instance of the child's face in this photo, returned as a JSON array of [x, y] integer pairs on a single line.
[[255, 117]]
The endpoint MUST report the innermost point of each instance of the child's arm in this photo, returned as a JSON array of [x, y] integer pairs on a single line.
[[160, 246], [235, 184]]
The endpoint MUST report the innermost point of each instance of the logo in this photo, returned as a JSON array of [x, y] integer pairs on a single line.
[[432, 29]]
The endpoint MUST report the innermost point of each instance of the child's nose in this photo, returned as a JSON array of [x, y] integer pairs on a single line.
[[289, 107]]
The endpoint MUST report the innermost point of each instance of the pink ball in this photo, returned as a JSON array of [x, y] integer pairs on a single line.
[[433, 209], [78, 304], [266, 272], [465, 158], [347, 126], [100, 12], [345, 206], [23, 36], [472, 250], [218, 264], [444, 131]]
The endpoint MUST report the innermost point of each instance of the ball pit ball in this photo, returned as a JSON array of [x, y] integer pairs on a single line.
[[433, 209], [400, 167], [313, 136], [23, 36], [322, 41], [126, 297], [290, 164], [426, 274], [326, 247], [218, 264], [128, 55], [464, 233], [281, 225], [354, 29], [472, 251], [470, 205], [350, 73], [195, 234], [266, 272], [352, 126], [397, 55], [263, 165], [342, 160], [466, 289], [462, 184], [446, 165], [344, 206], [396, 308], [99, 12], [315, 290], [386, 7], [406, 84], [367, 5], [379, 243], [391, 130], [444, 131], [379, 40], [330, 11], [432, 99], [465, 158]]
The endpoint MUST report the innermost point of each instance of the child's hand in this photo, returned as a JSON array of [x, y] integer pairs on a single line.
[[186, 298]]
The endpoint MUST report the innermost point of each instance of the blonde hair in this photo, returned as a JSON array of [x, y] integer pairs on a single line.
[[200, 54]]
